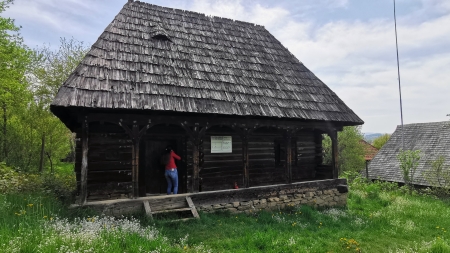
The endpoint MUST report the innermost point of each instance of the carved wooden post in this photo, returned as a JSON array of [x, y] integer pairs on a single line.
[[135, 159], [244, 134], [288, 141], [334, 153], [135, 135], [244, 138], [84, 160], [196, 167], [195, 135]]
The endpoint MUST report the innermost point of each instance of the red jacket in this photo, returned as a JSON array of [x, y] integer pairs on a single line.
[[171, 164]]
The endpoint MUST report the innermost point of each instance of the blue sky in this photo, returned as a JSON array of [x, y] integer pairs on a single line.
[[348, 44]]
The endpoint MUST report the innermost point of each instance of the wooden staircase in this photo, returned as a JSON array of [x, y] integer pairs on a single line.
[[179, 205]]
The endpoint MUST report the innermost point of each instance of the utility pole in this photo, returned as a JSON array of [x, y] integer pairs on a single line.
[[398, 73]]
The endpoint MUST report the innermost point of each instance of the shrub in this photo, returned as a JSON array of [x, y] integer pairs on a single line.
[[409, 161], [438, 176], [62, 185]]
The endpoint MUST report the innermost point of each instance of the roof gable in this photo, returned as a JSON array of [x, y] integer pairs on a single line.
[[207, 65], [369, 150]]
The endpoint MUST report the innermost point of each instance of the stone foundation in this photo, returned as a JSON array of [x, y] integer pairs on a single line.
[[311, 197]]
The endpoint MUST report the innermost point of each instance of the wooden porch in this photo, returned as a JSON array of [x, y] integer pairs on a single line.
[[275, 196]]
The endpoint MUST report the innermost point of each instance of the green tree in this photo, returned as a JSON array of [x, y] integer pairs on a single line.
[[14, 61], [52, 68], [380, 141], [351, 151], [409, 161], [439, 174], [49, 71], [29, 79]]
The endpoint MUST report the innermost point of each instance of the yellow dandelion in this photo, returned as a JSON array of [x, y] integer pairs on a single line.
[[185, 248], [30, 205], [45, 217]]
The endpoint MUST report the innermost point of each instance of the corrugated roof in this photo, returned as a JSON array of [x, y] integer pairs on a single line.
[[432, 139], [157, 58]]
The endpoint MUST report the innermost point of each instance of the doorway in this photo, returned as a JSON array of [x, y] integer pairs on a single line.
[[153, 172]]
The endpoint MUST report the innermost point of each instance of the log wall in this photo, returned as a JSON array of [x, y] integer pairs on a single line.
[[307, 155], [219, 171], [109, 160], [109, 165]]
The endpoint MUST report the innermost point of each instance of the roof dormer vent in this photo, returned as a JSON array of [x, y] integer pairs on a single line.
[[160, 34]]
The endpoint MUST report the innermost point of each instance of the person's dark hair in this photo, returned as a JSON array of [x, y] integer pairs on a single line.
[[165, 159]]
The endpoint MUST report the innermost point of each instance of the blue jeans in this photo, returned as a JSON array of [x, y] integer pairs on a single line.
[[172, 180]]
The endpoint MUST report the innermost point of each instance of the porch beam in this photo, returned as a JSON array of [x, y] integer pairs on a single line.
[[254, 123]]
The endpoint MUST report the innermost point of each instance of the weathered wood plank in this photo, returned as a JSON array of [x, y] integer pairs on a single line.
[[335, 153], [147, 208], [192, 206], [84, 162]]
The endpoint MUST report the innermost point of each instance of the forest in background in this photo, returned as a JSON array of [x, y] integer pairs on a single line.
[[31, 137]]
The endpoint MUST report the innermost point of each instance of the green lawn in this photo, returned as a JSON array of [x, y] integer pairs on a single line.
[[379, 218]]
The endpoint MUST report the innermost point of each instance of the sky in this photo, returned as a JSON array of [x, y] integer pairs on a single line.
[[348, 44]]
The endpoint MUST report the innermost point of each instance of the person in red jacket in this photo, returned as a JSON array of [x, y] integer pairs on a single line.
[[171, 172]]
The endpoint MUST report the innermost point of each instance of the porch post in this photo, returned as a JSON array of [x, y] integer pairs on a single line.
[[84, 160], [196, 167], [334, 153], [288, 141], [135, 134], [196, 135], [244, 138], [135, 160]]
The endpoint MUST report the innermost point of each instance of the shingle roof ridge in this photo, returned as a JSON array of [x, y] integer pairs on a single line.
[[197, 13], [424, 123]]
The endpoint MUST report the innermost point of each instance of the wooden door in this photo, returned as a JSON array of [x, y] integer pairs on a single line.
[[155, 182]]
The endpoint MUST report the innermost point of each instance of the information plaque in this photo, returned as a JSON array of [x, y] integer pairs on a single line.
[[221, 144]]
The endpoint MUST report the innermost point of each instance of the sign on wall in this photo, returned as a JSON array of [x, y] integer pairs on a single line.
[[221, 144]]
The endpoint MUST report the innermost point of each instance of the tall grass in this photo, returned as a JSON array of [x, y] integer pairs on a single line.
[[380, 217]]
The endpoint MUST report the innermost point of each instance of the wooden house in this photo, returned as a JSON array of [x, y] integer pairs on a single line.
[[369, 150], [369, 153], [432, 139], [234, 103]]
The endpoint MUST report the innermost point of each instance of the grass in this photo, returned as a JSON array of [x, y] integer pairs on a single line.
[[380, 217]]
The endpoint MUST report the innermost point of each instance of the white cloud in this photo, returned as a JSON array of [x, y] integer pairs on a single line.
[[356, 59]]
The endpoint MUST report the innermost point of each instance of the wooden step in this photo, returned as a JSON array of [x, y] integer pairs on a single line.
[[173, 210], [170, 206], [185, 219]]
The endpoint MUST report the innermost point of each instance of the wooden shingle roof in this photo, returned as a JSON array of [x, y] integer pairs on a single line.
[[432, 139], [163, 59]]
